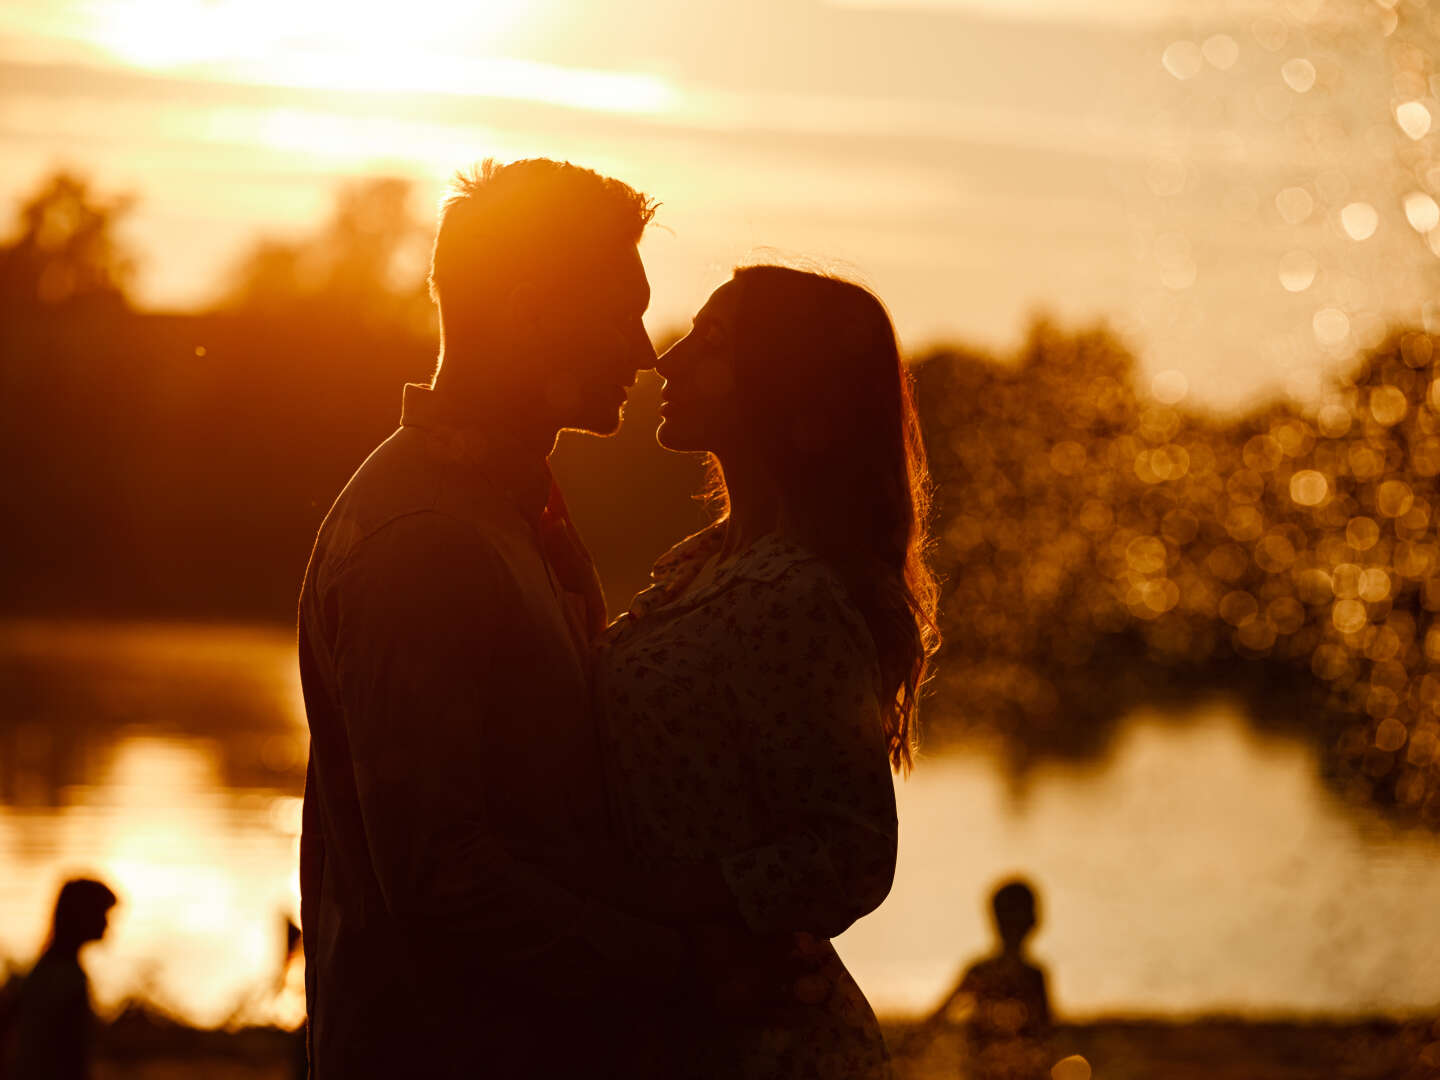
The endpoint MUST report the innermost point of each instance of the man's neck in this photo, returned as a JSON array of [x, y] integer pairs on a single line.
[[511, 422], [68, 951]]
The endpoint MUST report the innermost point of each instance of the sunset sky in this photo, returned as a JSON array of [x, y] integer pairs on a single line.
[[1179, 169]]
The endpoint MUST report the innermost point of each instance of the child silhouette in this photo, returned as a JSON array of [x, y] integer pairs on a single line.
[[1003, 997]]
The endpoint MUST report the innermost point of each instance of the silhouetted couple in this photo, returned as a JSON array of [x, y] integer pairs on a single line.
[[538, 845]]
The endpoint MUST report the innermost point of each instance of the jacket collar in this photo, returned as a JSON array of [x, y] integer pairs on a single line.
[[521, 473]]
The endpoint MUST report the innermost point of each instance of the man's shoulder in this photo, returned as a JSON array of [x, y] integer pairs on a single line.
[[52, 981], [403, 488], [395, 480]]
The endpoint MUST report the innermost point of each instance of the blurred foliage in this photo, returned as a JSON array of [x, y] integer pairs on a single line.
[[65, 251], [369, 260], [179, 464], [1103, 547]]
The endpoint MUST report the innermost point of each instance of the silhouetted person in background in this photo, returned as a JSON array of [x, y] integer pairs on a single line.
[[1008, 1007], [294, 949], [444, 626], [54, 1021]]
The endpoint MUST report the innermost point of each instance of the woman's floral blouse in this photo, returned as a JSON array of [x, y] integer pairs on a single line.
[[742, 723]]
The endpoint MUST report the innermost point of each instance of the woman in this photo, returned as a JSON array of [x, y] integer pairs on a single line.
[[754, 697]]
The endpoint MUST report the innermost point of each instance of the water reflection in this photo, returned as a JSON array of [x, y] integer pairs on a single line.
[[204, 875], [74, 689], [1200, 867], [167, 760]]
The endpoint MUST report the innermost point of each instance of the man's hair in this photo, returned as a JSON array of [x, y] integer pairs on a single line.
[[528, 217]]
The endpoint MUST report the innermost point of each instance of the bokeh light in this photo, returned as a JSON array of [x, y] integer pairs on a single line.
[[1079, 514]]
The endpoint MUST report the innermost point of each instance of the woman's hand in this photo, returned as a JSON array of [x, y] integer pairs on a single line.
[[756, 975]]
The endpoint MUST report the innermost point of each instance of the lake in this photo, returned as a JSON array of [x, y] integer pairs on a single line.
[[1199, 868]]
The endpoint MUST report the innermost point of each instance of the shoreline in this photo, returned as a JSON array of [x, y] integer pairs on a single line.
[[145, 1044]]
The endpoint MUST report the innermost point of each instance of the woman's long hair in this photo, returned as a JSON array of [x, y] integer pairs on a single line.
[[823, 388]]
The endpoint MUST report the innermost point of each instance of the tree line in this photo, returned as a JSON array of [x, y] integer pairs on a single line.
[[1101, 545]]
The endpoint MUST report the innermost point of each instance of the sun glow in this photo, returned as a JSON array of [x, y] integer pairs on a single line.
[[423, 46], [179, 33]]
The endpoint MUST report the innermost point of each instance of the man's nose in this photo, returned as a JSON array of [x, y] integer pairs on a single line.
[[643, 350]]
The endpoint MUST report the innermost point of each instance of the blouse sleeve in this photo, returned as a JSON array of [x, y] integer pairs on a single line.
[[808, 699]]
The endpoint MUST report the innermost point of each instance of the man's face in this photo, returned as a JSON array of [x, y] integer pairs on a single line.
[[96, 923], [594, 341]]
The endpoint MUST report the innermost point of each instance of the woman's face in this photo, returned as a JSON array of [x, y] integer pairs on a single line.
[[699, 409]]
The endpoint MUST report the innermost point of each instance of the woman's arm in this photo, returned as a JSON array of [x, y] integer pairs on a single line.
[[807, 690], [800, 674]]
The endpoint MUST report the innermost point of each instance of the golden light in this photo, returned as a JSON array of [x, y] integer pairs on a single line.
[[1330, 662], [1073, 1067], [1294, 437], [1359, 220], [1349, 616], [1221, 50], [1362, 533], [1169, 387], [1390, 735], [1333, 420], [1394, 498], [1295, 204], [1297, 270], [1346, 581], [1286, 614], [424, 46], [1421, 211], [1414, 119], [1309, 488], [1331, 326], [1177, 264], [1274, 553], [1146, 555], [175, 33], [1183, 59], [1238, 607], [1270, 32], [1388, 405], [175, 886], [1374, 585], [1257, 635], [1299, 74]]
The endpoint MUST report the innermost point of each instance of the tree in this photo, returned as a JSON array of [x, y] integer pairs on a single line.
[[368, 260], [67, 251]]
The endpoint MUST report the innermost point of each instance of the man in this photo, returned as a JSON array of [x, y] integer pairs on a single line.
[[443, 629], [53, 1019]]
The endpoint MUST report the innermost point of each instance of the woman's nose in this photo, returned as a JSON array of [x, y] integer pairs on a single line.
[[672, 358]]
